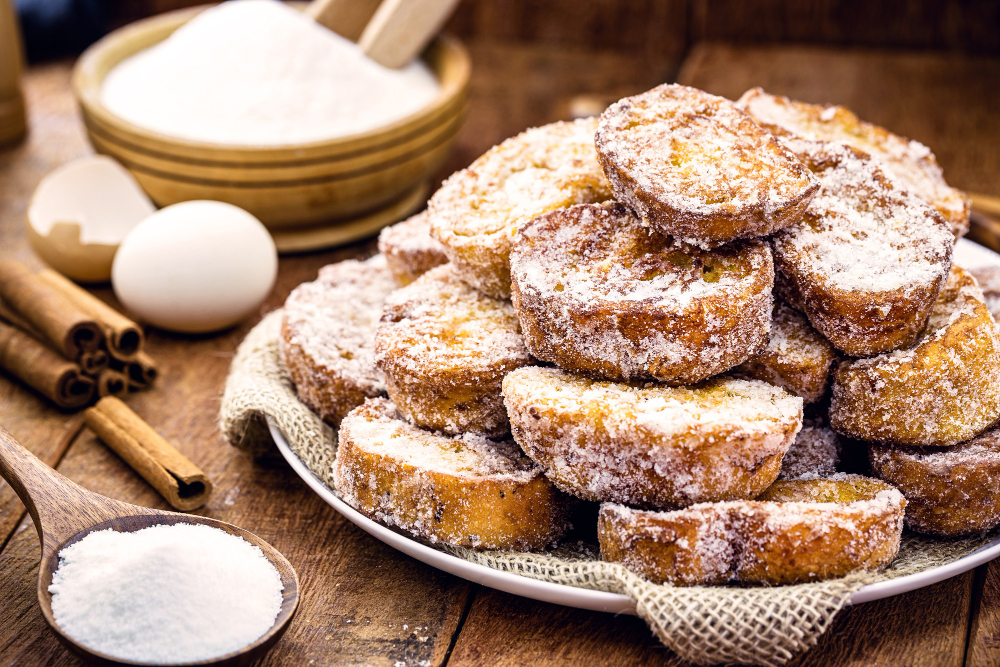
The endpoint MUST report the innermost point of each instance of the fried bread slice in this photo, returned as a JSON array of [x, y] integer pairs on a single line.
[[409, 249], [328, 336], [909, 161], [652, 445], [867, 259], [465, 490], [815, 452], [942, 390], [477, 210], [950, 492], [445, 348], [797, 357], [599, 293], [697, 168], [796, 531]]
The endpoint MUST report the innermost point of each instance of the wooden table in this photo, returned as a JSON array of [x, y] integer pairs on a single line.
[[365, 604]]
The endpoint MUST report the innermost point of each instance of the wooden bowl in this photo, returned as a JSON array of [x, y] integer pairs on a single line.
[[309, 195]]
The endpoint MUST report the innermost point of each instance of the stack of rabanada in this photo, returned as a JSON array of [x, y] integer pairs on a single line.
[[686, 310]]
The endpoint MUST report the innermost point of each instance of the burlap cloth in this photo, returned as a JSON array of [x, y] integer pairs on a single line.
[[705, 625]]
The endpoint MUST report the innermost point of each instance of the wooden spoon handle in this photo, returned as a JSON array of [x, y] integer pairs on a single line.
[[400, 29], [52, 500]]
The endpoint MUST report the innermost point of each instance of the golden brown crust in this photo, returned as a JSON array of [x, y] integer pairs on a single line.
[[797, 531], [444, 349], [652, 445], [950, 492], [697, 168], [867, 259], [599, 293], [909, 161], [941, 391], [797, 357], [409, 249], [328, 333], [464, 490], [476, 211]]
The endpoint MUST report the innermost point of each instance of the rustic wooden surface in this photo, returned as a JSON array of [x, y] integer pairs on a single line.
[[362, 602]]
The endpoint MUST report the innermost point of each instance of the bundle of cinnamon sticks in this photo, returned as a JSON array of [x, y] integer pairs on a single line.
[[66, 343]]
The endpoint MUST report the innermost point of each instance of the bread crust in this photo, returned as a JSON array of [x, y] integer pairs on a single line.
[[651, 445], [467, 491], [696, 167], [797, 531], [599, 293], [409, 249], [867, 259], [476, 212], [444, 349], [941, 391], [910, 161], [327, 336]]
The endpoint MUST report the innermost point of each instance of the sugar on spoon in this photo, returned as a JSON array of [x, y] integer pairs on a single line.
[[65, 513]]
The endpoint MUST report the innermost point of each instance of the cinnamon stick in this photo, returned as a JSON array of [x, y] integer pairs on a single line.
[[111, 383], [57, 379], [124, 337], [59, 322], [92, 363], [171, 473]]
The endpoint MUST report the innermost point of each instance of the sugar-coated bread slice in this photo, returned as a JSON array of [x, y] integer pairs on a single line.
[[950, 492], [909, 161], [989, 282], [867, 259], [599, 293], [942, 390], [465, 490], [696, 167], [444, 348], [815, 452], [328, 336], [409, 249], [652, 445], [477, 210], [796, 531], [797, 357]]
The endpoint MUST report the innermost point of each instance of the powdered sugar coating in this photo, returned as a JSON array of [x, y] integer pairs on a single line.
[[867, 259], [599, 293], [815, 452], [911, 162], [466, 490], [989, 282], [328, 336], [651, 445], [409, 249], [476, 212], [804, 530], [942, 390], [797, 357], [951, 492], [445, 348], [697, 168]]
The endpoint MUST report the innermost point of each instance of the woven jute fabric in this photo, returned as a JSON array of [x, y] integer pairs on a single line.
[[705, 625]]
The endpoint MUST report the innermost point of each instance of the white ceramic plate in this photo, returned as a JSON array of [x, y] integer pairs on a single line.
[[967, 254]]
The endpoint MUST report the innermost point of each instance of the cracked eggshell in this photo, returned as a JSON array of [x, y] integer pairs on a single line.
[[195, 267], [80, 213]]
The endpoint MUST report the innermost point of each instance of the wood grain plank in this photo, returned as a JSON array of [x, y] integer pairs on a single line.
[[983, 649], [948, 102], [505, 630]]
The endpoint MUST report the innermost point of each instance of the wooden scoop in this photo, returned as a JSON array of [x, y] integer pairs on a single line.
[[64, 513]]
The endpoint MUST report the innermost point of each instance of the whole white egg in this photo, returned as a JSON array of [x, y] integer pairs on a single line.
[[195, 267]]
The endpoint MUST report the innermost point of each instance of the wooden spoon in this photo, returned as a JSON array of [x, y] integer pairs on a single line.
[[64, 513]]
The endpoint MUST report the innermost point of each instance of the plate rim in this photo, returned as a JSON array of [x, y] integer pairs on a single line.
[[594, 600]]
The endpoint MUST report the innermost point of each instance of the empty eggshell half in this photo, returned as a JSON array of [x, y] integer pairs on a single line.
[[195, 267], [80, 213]]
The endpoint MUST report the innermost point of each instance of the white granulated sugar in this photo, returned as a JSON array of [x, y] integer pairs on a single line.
[[259, 73], [166, 594]]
